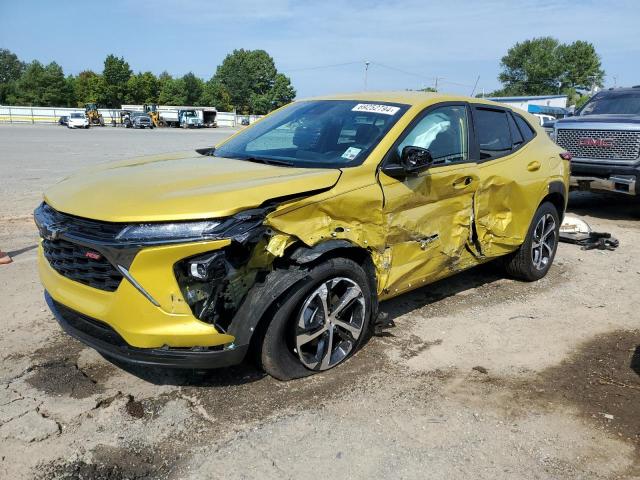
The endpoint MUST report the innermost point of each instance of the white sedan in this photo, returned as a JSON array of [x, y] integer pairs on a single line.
[[78, 120]]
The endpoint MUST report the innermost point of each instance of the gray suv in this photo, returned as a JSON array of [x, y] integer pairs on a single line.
[[604, 140]]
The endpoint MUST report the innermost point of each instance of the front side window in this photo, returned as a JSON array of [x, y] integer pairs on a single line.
[[444, 132], [317, 133], [494, 136]]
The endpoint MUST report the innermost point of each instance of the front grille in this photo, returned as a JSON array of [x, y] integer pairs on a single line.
[[70, 260], [82, 227], [621, 145], [89, 326]]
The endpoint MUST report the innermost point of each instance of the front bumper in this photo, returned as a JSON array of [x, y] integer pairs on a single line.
[[587, 175], [101, 337], [141, 323]]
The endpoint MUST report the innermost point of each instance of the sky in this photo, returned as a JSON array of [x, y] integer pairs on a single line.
[[323, 45]]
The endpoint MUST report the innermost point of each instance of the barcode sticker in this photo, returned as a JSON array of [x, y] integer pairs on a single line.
[[375, 108], [351, 153]]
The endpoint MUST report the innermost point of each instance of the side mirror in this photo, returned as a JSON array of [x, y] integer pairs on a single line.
[[413, 160], [548, 124], [207, 151]]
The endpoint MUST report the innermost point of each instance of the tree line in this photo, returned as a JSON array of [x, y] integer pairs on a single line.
[[246, 80], [545, 66]]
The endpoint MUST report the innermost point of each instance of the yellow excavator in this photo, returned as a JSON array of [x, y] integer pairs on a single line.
[[154, 114], [94, 117]]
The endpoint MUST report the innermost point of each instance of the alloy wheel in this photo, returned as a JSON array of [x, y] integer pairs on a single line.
[[544, 241], [330, 323]]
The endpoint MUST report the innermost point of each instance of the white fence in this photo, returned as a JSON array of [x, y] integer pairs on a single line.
[[44, 115]]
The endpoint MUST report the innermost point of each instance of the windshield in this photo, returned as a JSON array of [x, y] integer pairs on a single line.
[[613, 103], [321, 133], [77, 115]]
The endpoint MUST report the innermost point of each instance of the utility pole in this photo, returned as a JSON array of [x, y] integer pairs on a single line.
[[366, 71], [475, 85], [436, 82]]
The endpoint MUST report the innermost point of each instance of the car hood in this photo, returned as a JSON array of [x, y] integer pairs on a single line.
[[620, 118], [180, 187]]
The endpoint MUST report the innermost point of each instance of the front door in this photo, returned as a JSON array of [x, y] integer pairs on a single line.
[[429, 217]]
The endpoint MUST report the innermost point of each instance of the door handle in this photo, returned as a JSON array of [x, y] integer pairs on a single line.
[[533, 166], [462, 182]]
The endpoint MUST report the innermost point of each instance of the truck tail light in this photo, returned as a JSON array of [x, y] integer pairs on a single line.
[[566, 156]]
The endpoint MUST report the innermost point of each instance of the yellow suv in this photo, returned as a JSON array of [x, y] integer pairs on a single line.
[[283, 239]]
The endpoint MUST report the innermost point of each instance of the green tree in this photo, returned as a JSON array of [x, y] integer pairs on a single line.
[[116, 74], [582, 66], [42, 86], [214, 94], [173, 92], [249, 77], [532, 68], [193, 87], [11, 68], [90, 88], [282, 91], [143, 88], [544, 66], [70, 85]]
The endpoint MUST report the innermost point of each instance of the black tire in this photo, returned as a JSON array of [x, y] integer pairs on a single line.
[[521, 264], [276, 350]]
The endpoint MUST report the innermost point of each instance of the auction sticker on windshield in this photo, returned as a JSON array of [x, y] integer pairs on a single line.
[[375, 108], [351, 153]]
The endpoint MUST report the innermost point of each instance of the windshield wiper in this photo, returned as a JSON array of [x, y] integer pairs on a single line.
[[268, 161]]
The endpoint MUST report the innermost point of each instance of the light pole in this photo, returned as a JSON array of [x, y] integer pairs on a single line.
[[366, 70]]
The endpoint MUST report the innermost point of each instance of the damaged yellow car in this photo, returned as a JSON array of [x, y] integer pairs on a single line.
[[282, 240]]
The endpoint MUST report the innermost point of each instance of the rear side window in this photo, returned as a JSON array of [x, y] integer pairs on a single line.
[[527, 131], [492, 130]]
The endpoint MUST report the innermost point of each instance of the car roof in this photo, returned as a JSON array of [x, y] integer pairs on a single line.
[[421, 100], [412, 98], [608, 91]]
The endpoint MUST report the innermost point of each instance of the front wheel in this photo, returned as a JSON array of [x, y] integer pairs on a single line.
[[533, 259], [321, 323]]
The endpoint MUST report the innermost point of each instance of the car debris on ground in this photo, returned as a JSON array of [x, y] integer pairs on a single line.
[[578, 232]]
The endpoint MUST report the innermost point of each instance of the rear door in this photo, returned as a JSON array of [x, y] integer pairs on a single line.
[[428, 217], [510, 179]]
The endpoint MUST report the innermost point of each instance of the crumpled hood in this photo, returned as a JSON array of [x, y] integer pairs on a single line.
[[179, 187], [621, 118]]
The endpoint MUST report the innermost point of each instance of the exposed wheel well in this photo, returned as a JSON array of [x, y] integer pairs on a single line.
[[333, 249]]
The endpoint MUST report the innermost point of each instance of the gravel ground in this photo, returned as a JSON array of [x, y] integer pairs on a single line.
[[482, 377]]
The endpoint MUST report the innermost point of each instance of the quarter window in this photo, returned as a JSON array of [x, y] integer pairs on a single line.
[[527, 132], [443, 131], [492, 129], [516, 136]]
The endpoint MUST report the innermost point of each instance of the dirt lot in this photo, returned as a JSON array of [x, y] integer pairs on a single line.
[[482, 377]]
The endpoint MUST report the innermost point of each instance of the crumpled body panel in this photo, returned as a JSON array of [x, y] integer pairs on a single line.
[[428, 220], [505, 201]]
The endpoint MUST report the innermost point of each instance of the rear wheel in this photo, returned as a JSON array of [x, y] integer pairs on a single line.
[[320, 324], [533, 259]]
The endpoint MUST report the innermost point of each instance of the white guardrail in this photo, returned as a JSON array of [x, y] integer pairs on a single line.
[[48, 115]]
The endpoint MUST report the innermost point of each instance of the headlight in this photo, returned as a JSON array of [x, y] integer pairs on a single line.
[[168, 231]]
